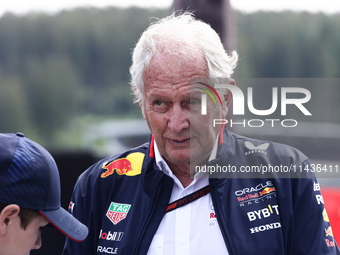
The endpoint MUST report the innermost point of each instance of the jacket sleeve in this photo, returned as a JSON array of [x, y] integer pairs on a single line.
[[312, 230]]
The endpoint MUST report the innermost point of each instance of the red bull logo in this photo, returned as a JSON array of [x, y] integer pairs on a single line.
[[122, 166], [267, 191], [329, 231], [131, 165]]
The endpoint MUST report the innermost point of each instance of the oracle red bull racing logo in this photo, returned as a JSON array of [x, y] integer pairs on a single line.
[[117, 212], [131, 165], [256, 194]]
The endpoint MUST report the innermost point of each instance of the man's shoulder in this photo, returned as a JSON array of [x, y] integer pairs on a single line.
[[126, 164], [267, 149]]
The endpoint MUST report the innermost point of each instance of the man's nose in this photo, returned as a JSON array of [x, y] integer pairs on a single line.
[[179, 119]]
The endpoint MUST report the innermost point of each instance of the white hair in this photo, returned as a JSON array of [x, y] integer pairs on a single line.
[[186, 37]]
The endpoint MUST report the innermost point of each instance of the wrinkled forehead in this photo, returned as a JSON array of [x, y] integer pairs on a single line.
[[167, 66]]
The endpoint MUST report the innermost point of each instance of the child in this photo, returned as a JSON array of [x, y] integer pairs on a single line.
[[30, 196]]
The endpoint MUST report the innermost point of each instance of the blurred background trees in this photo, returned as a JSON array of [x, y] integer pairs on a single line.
[[60, 72]]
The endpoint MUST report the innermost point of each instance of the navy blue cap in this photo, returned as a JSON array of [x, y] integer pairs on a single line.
[[29, 177]]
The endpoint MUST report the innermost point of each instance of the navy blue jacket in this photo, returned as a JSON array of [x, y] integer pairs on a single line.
[[122, 200]]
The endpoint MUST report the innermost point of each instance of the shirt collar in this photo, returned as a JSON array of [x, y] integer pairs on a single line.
[[160, 162]]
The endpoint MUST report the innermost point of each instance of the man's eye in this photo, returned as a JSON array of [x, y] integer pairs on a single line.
[[159, 103], [193, 101], [160, 106]]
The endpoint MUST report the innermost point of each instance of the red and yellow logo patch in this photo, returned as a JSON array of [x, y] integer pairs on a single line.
[[130, 166]]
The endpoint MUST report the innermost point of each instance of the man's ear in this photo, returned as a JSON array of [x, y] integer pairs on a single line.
[[142, 108], [7, 216], [228, 97], [140, 100]]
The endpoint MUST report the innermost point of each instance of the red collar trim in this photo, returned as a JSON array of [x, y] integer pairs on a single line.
[[221, 134], [152, 153]]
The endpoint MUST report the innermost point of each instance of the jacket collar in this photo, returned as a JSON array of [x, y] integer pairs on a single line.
[[227, 146], [151, 177], [226, 155]]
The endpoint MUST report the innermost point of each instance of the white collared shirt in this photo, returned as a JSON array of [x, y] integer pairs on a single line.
[[190, 229]]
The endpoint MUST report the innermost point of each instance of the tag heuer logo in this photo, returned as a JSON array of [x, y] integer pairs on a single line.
[[117, 212]]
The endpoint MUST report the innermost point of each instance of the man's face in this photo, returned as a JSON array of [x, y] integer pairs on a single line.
[[166, 108], [22, 241]]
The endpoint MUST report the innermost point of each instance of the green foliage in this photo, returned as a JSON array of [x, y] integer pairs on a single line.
[[56, 70], [62, 67], [288, 44], [14, 106], [54, 92]]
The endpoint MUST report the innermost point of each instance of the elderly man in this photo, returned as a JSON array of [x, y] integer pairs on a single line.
[[151, 199]]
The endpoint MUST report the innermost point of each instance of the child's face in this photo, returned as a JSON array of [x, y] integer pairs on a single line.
[[22, 241]]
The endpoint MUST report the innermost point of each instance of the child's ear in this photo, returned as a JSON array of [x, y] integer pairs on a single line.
[[7, 216]]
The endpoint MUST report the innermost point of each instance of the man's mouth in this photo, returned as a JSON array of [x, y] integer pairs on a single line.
[[179, 141]]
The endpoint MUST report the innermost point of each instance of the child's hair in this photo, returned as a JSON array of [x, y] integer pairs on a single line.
[[26, 215]]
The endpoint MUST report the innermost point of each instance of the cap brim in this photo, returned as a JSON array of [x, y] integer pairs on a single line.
[[66, 223]]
